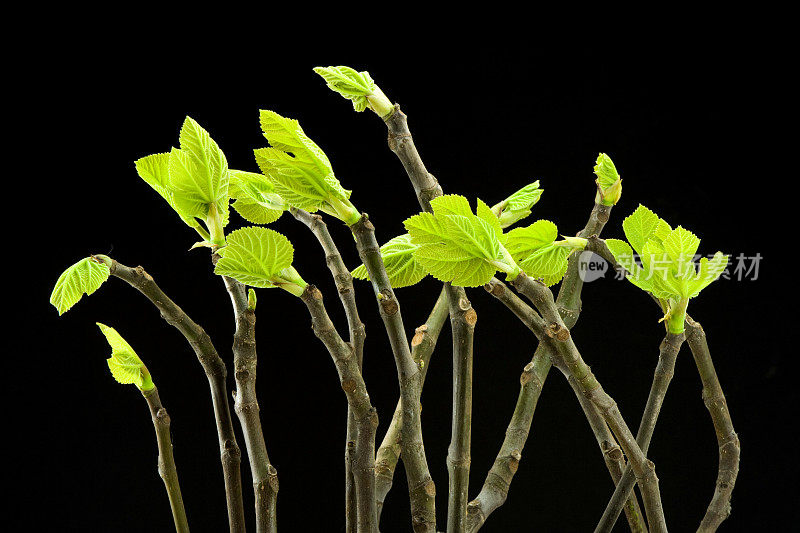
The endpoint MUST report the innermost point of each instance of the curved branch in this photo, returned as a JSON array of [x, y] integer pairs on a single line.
[[216, 372], [344, 286], [720, 507], [570, 362], [357, 398]]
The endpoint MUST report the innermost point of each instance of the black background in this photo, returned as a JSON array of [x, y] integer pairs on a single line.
[[690, 127]]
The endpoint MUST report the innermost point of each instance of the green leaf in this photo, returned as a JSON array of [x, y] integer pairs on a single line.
[[522, 242], [451, 204], [457, 246], [485, 213], [549, 262], [297, 167], [624, 255], [640, 226], [606, 172], [256, 200], [709, 271], [254, 256], [125, 365], [518, 205], [154, 170], [84, 277], [401, 266], [681, 246], [198, 172], [351, 84]]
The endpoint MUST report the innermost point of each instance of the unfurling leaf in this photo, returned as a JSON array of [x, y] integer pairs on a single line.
[[193, 179], [457, 246], [255, 256], [358, 87], [300, 170], [608, 180], [125, 365], [401, 266], [537, 252], [518, 205], [255, 197], [84, 277]]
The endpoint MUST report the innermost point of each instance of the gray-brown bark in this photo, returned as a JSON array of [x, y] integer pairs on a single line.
[[668, 354], [216, 373], [166, 459], [462, 320], [365, 414], [422, 490], [728, 442], [344, 286], [245, 360], [569, 360], [422, 346]]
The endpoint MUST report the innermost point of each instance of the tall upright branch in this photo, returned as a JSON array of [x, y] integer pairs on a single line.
[[365, 414], [344, 286], [427, 188], [166, 460], [571, 363], [668, 354], [462, 320], [216, 372], [422, 346], [422, 490], [245, 359]]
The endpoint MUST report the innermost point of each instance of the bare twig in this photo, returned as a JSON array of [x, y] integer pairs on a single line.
[[215, 371], [422, 346], [245, 358], [357, 398], [344, 286], [166, 460]]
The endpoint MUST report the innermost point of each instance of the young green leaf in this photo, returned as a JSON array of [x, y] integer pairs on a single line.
[[708, 271], [255, 256], [198, 172], [457, 246], [626, 258], [401, 266], [608, 181], [358, 87], [640, 226], [300, 170], [256, 200], [154, 170], [548, 262], [125, 365], [84, 277], [522, 242], [518, 205]]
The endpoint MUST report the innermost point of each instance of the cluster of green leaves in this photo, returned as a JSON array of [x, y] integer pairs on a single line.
[[609, 184], [193, 179], [300, 171], [196, 182], [84, 277], [454, 244], [358, 87], [125, 365], [667, 266]]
